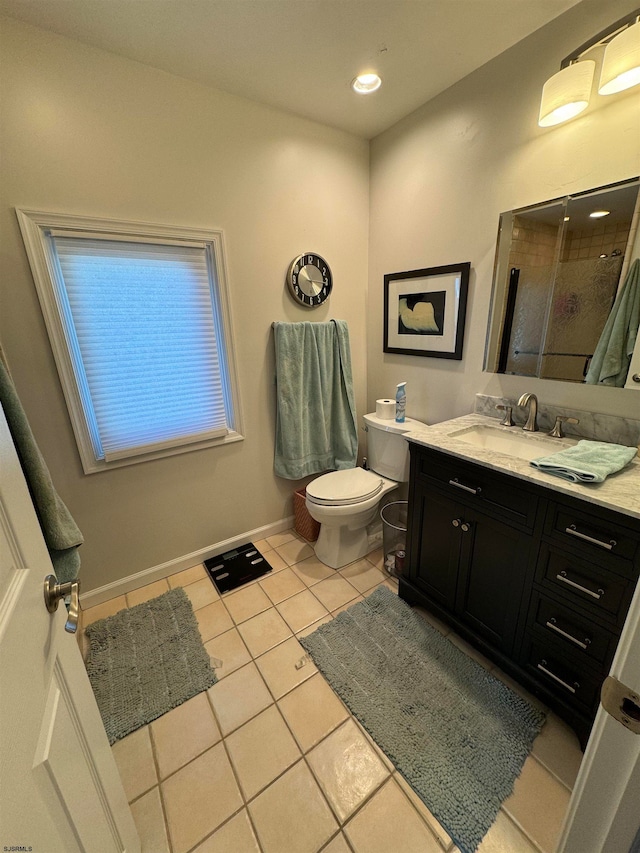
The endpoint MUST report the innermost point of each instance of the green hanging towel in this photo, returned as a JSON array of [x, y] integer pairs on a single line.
[[59, 530], [612, 356], [315, 405]]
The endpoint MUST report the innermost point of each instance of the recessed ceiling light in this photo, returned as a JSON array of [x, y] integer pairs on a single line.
[[365, 83], [598, 214]]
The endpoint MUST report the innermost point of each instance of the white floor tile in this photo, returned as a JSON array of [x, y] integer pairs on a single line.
[[289, 809]]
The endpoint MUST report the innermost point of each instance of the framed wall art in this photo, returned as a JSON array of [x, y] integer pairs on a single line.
[[424, 311]]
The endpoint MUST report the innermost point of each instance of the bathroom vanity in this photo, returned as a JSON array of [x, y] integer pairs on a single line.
[[536, 572]]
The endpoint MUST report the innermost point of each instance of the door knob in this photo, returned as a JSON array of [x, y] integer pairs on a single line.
[[54, 591], [456, 522], [622, 703], [465, 527], [636, 377]]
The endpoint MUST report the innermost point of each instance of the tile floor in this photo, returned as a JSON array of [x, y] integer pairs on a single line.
[[269, 759]]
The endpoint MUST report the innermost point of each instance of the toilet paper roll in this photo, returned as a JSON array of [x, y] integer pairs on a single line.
[[386, 409]]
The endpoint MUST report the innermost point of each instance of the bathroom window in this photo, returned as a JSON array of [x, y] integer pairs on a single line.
[[138, 319]]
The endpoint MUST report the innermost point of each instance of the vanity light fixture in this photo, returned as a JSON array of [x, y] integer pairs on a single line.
[[566, 94], [364, 84], [621, 64]]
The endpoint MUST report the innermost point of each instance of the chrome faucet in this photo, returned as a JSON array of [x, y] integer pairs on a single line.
[[532, 401]]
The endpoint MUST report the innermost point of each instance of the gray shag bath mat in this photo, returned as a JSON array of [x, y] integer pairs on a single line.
[[458, 735], [146, 660]]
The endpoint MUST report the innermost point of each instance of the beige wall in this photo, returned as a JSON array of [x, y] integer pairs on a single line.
[[441, 177], [86, 132]]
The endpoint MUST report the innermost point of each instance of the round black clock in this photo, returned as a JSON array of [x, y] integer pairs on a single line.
[[309, 279]]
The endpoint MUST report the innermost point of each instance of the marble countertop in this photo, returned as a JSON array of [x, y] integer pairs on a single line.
[[619, 492]]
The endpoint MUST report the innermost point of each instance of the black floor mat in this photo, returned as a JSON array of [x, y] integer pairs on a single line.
[[236, 567]]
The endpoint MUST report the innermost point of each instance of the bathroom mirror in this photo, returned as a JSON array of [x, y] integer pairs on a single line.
[[559, 265]]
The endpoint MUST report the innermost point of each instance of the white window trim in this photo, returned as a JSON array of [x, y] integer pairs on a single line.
[[35, 226]]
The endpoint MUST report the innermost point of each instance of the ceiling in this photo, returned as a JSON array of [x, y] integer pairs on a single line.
[[301, 55]]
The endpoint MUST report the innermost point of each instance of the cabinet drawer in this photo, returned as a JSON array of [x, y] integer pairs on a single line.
[[600, 539], [575, 684], [584, 585], [480, 487], [574, 631]]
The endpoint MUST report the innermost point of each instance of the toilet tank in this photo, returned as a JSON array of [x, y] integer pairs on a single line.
[[388, 451]]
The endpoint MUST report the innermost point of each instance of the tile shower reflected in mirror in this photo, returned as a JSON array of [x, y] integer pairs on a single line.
[[558, 270]]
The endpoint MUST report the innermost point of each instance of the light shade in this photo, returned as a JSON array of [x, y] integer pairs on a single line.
[[566, 93], [621, 64]]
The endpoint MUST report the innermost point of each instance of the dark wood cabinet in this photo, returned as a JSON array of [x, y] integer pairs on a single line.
[[470, 563], [540, 582], [493, 571], [436, 546]]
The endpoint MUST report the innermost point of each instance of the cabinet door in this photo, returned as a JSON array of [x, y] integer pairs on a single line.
[[435, 562], [494, 560]]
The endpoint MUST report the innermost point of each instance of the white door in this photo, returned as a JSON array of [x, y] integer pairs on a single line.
[[60, 791], [604, 812]]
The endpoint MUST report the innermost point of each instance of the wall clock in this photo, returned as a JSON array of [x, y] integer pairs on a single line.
[[309, 279]]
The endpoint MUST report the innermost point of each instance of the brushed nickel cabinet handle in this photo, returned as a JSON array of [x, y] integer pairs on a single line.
[[474, 491], [551, 624], [564, 579], [571, 530], [542, 666]]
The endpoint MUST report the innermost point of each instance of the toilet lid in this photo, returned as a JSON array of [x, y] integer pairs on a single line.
[[353, 485]]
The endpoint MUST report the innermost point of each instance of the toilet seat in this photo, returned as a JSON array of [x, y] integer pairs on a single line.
[[341, 488]]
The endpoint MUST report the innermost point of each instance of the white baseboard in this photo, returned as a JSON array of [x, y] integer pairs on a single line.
[[156, 573]]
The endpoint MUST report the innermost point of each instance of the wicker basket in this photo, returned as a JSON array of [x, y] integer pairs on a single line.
[[306, 526]]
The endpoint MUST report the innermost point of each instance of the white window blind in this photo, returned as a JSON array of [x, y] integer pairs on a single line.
[[142, 328]]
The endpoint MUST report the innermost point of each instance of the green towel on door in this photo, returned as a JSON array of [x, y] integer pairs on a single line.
[[59, 530], [587, 461]]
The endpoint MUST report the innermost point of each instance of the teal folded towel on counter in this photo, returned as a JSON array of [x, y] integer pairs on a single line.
[[587, 461]]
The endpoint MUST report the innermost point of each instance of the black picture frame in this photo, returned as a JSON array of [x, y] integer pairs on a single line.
[[425, 310]]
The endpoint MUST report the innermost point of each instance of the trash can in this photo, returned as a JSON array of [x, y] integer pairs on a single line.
[[394, 536], [305, 525]]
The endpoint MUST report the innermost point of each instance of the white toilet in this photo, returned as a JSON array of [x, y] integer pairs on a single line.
[[345, 502]]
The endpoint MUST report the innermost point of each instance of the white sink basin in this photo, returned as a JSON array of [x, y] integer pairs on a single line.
[[511, 441]]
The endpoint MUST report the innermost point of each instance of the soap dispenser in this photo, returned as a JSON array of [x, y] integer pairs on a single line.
[[401, 402]]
